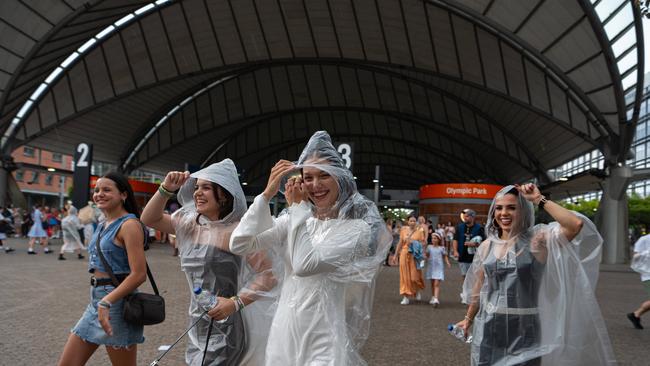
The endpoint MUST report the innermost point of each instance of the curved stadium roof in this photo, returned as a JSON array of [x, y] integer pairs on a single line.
[[433, 91]]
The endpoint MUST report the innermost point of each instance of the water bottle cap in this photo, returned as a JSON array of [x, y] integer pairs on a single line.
[[197, 290], [450, 327]]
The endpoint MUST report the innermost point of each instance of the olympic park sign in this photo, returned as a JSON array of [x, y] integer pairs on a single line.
[[459, 190]]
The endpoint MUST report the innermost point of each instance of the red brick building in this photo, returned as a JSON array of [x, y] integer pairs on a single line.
[[43, 176]]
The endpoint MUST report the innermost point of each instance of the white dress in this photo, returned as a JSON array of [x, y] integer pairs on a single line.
[[309, 327], [435, 263], [37, 231]]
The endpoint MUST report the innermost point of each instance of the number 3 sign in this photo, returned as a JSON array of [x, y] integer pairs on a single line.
[[345, 149]]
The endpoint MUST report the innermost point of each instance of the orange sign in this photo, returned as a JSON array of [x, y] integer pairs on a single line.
[[136, 185], [459, 190]]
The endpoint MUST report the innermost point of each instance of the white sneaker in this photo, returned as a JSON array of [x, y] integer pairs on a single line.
[[418, 296], [435, 302], [432, 301], [405, 301]]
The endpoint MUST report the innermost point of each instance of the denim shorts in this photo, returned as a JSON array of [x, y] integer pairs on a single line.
[[89, 329]]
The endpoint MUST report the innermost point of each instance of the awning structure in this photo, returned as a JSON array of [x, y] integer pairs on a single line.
[[584, 182], [433, 91]]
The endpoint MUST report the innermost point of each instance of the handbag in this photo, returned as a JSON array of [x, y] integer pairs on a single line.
[[139, 308]]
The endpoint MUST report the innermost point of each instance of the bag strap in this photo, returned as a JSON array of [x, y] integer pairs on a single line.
[[110, 271]]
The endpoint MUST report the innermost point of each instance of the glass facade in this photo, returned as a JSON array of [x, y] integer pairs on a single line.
[[594, 159]]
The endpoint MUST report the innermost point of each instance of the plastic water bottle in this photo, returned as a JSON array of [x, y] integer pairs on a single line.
[[206, 301], [458, 333]]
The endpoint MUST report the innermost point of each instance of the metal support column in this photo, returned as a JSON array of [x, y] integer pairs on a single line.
[[376, 181], [613, 215]]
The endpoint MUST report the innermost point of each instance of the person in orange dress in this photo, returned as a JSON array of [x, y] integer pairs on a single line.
[[410, 278]]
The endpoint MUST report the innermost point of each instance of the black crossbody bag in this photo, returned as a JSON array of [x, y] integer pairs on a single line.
[[139, 308]]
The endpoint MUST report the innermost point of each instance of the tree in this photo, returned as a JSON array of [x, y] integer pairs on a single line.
[[639, 211], [587, 208]]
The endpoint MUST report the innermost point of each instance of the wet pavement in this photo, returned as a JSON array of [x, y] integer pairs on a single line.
[[41, 298]]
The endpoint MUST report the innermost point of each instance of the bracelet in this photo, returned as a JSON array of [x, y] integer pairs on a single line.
[[542, 202], [104, 304], [239, 304], [165, 192], [234, 300], [469, 319]]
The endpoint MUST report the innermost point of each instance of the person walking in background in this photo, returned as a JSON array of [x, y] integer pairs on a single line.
[[450, 232], [391, 252], [531, 291], [46, 221], [436, 256], [641, 264], [397, 228], [463, 246], [27, 222], [54, 223], [70, 226], [5, 228], [440, 229], [422, 222], [410, 277], [37, 231], [88, 218], [121, 240], [18, 221]]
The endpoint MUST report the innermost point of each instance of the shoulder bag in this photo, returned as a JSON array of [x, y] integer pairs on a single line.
[[139, 308]]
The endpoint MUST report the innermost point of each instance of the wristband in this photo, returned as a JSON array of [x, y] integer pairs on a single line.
[[104, 304], [542, 202], [234, 300], [469, 319], [239, 304], [165, 192]]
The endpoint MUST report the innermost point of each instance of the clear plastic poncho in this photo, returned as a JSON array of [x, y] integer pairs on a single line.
[[536, 295], [70, 227], [208, 263], [323, 316]]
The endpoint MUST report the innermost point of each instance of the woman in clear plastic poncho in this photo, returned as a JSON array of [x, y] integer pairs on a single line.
[[530, 288], [213, 203], [333, 241], [70, 227]]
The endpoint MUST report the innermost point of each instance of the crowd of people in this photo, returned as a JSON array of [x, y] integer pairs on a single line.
[[306, 277], [39, 224], [423, 251]]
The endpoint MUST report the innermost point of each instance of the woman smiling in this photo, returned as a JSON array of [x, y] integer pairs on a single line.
[[530, 288], [213, 202], [332, 241]]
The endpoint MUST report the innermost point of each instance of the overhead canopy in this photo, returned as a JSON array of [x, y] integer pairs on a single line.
[[584, 182], [432, 91]]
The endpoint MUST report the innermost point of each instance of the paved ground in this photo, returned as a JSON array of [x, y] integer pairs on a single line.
[[41, 298]]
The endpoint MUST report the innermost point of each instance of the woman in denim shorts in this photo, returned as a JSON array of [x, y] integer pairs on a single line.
[[122, 245]]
